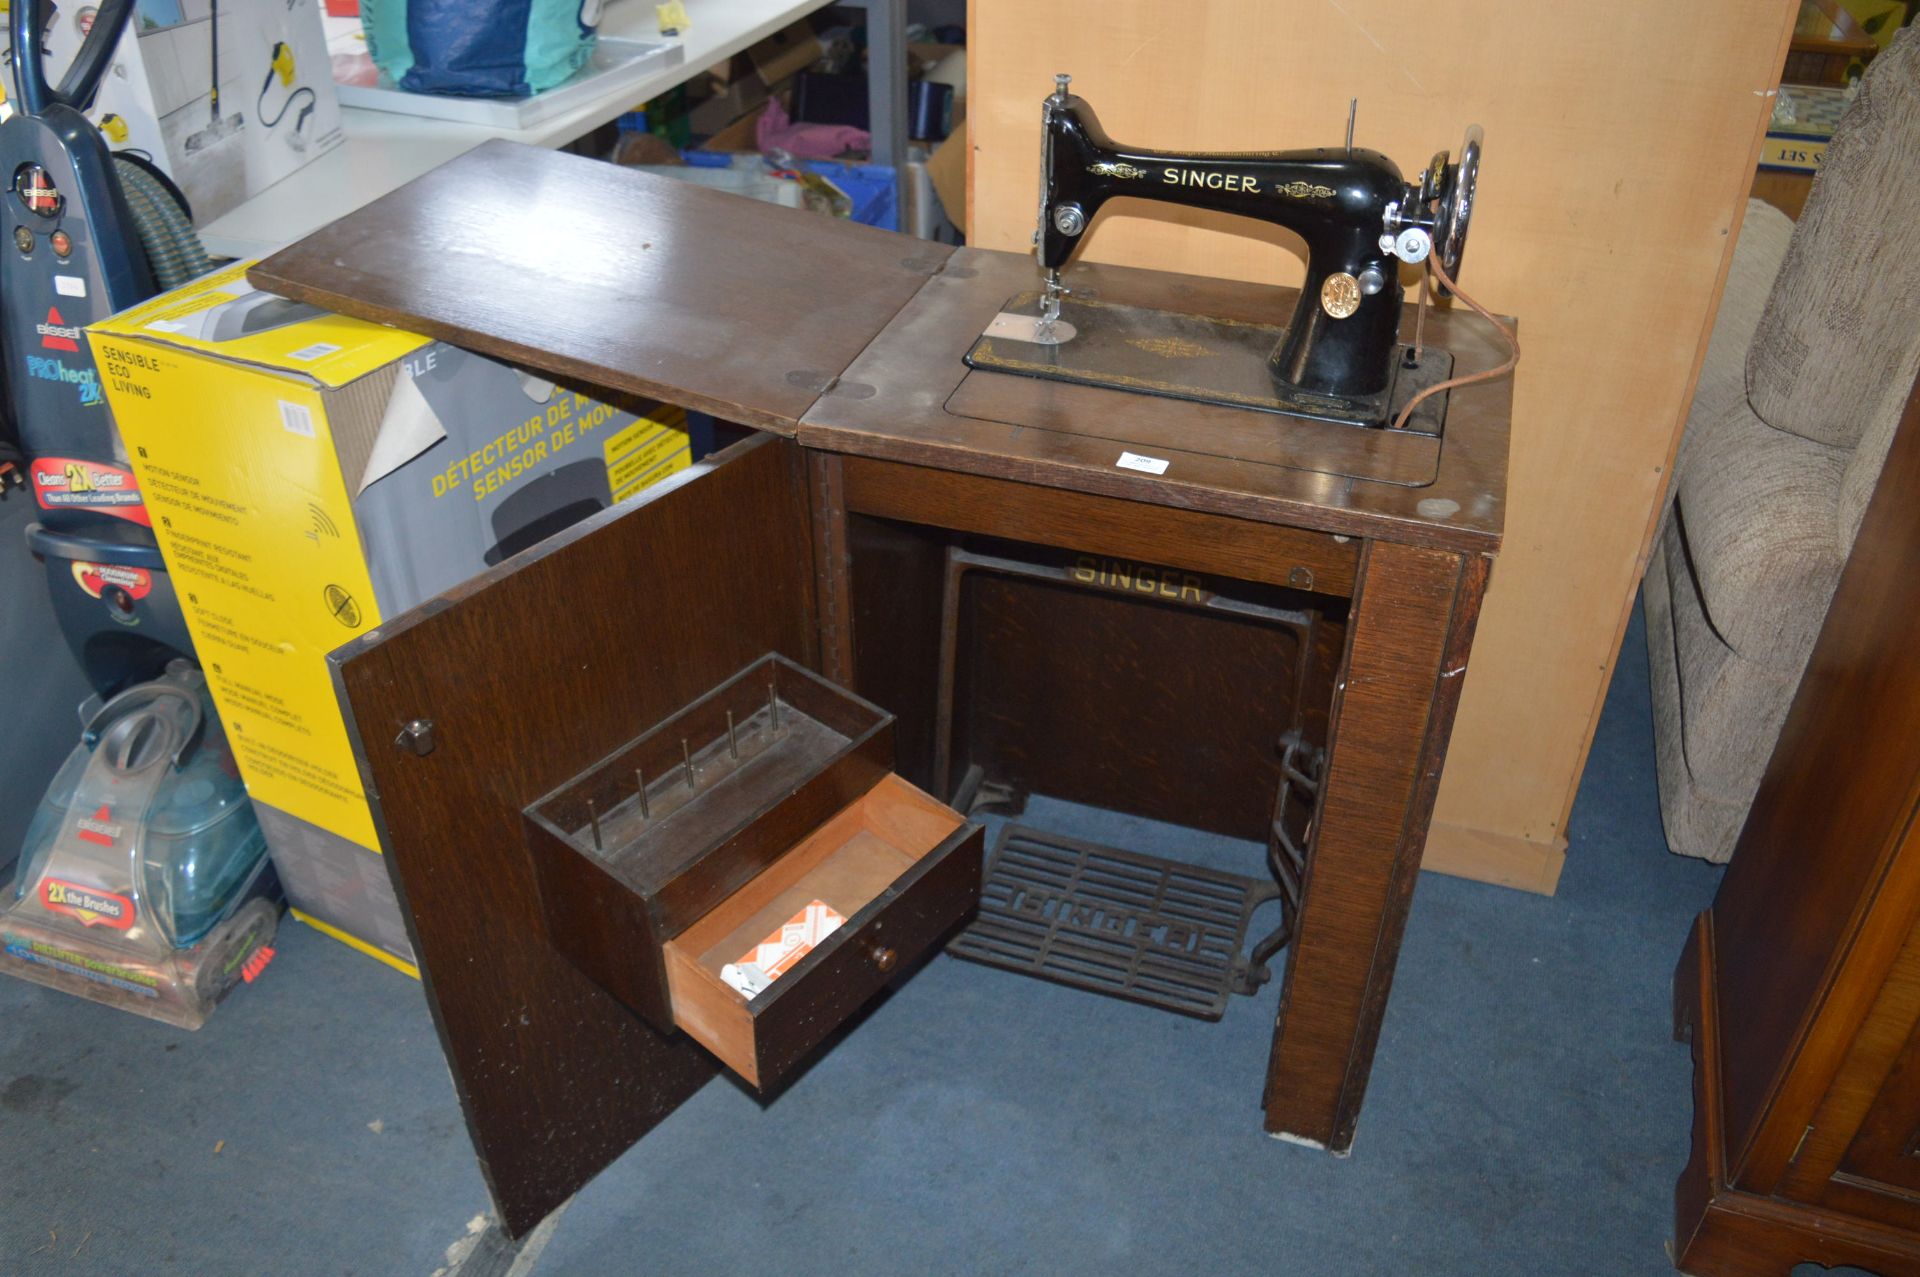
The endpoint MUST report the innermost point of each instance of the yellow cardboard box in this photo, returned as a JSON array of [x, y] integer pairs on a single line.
[[309, 474]]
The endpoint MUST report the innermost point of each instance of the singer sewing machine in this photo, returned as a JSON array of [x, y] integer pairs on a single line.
[[1339, 355]]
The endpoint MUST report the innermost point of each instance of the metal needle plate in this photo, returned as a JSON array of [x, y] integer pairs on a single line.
[[1032, 329]]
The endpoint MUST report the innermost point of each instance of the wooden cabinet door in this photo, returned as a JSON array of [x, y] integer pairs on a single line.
[[1885, 1153], [513, 683]]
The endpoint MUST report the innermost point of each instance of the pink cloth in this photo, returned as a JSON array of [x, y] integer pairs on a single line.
[[774, 131]]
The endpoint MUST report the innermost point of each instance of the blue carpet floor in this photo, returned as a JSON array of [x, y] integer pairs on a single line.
[[1527, 1115]]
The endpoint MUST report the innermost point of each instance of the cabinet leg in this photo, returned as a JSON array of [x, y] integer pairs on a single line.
[[832, 566], [1412, 625]]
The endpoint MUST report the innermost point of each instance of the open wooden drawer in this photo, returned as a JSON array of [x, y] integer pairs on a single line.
[[750, 870], [899, 867]]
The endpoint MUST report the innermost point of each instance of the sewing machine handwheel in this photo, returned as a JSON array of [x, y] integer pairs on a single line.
[[1456, 204]]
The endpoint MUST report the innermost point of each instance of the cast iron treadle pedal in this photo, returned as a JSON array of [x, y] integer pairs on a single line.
[[1114, 922]]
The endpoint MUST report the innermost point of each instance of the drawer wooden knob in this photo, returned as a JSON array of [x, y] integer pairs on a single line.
[[883, 957]]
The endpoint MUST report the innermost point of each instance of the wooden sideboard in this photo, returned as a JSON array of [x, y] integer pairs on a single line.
[[1800, 986]]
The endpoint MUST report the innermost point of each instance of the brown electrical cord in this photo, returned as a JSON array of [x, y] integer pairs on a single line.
[[1507, 334]]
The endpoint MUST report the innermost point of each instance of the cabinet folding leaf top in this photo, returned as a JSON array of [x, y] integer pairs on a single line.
[[771, 690]]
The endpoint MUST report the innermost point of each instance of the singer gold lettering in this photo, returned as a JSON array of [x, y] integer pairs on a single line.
[[1212, 179]]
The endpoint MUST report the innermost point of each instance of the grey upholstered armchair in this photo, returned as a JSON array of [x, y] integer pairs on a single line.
[[1812, 354]]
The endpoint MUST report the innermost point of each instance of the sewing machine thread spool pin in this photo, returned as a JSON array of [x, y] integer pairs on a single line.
[[1353, 109], [640, 786]]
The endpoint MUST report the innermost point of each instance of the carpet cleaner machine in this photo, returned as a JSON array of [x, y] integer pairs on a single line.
[[143, 881]]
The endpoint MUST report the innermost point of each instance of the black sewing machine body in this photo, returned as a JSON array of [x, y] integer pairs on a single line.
[[1330, 198], [1338, 355]]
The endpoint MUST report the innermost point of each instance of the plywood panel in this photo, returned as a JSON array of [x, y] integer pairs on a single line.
[[1621, 140]]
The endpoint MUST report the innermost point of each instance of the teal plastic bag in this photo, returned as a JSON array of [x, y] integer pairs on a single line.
[[480, 48]]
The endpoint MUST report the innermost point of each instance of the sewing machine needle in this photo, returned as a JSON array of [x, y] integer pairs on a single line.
[[1049, 305]]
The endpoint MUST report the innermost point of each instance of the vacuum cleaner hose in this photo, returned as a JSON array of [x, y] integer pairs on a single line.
[[173, 247]]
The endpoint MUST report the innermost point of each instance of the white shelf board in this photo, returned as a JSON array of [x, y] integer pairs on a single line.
[[385, 151]]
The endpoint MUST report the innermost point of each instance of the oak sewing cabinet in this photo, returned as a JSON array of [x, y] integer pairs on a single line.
[[957, 549]]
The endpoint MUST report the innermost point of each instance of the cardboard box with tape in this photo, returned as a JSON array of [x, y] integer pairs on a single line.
[[309, 474]]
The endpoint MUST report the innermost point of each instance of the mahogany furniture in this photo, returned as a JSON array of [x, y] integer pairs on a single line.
[[1800, 986], [1828, 43], [866, 532]]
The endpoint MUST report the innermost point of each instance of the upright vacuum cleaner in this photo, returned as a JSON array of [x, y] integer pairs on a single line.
[[143, 881], [71, 255], [74, 258]]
